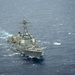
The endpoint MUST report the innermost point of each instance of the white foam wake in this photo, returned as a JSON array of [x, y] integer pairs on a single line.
[[4, 34], [13, 54], [2, 37]]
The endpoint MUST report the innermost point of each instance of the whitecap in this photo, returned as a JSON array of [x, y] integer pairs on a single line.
[[8, 49], [69, 33], [39, 41], [2, 37], [46, 42], [43, 47], [57, 43]]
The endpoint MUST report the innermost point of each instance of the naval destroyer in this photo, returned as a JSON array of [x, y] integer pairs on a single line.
[[25, 43]]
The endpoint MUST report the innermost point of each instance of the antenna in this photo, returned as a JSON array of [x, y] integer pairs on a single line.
[[25, 26], [25, 32], [24, 22]]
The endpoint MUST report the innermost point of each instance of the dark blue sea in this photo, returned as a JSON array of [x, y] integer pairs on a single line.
[[52, 23]]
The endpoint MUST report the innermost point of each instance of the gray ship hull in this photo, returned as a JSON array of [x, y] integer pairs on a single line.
[[33, 54], [26, 52]]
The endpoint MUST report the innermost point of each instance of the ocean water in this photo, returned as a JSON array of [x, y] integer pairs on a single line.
[[52, 22]]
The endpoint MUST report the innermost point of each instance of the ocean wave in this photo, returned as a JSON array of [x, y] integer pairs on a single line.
[[1, 44]]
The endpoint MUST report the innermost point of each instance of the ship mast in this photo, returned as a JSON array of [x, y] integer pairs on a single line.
[[25, 27]]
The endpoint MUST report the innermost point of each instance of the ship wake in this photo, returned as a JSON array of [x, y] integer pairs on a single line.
[[4, 34]]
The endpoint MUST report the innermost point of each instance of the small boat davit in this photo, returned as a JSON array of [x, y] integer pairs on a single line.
[[25, 43]]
